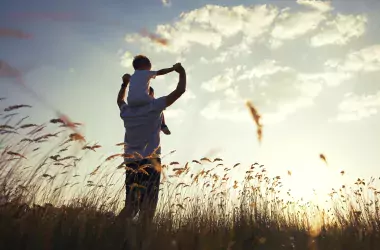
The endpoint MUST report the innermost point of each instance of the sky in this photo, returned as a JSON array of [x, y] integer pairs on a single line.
[[311, 68]]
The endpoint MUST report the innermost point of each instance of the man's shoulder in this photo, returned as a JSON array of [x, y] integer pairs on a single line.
[[155, 106]]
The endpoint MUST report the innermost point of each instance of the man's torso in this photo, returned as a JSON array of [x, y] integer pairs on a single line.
[[142, 128]]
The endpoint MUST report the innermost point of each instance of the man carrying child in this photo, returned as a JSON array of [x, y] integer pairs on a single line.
[[143, 121]]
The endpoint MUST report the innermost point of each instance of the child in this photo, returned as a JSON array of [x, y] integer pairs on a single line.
[[138, 93], [164, 127]]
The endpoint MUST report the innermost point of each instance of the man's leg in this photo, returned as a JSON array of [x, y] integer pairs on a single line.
[[131, 196], [149, 198]]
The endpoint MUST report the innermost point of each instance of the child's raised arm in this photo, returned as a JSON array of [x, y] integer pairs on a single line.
[[167, 70]]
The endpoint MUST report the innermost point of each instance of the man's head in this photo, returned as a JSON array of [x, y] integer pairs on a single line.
[[141, 62]]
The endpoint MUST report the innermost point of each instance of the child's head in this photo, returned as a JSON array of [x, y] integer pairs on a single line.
[[141, 62], [151, 91]]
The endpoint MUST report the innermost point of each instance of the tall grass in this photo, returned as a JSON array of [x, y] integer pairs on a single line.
[[48, 202]]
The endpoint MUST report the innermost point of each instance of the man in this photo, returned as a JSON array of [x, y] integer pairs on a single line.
[[142, 149]]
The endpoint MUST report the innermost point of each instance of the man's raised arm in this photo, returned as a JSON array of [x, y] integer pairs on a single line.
[[121, 95], [180, 89]]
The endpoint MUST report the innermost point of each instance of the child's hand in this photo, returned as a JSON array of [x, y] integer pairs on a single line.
[[176, 66], [126, 78]]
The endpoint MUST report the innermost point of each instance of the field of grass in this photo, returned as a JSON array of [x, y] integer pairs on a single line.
[[45, 205]]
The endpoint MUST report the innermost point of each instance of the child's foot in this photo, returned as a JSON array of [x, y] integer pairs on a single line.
[[165, 129]]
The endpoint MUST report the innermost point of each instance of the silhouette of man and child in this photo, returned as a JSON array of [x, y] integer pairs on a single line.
[[143, 121]]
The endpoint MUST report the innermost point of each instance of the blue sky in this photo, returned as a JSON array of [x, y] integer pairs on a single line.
[[312, 70]]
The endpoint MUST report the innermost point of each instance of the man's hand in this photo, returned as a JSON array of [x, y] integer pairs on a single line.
[[178, 68]]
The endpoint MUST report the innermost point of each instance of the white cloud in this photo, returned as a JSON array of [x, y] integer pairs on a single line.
[[126, 59], [279, 95], [265, 68], [364, 60], [252, 21], [340, 30], [222, 81], [357, 107], [323, 6], [329, 78], [187, 96], [293, 25], [209, 25], [174, 113], [166, 3], [214, 110], [230, 53]]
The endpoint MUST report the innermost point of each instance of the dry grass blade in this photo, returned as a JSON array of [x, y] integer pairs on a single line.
[[205, 159], [130, 169], [65, 142], [114, 156], [16, 154], [217, 159], [55, 157], [14, 107], [180, 206], [195, 161], [135, 185], [180, 184], [56, 121], [179, 171], [13, 33], [9, 115], [121, 165], [323, 158], [256, 117], [77, 137], [3, 132], [237, 164], [157, 166], [92, 147], [69, 158], [21, 120], [120, 144], [96, 170], [67, 122], [155, 38], [44, 137], [174, 163], [28, 126], [63, 150], [37, 130], [6, 127]]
